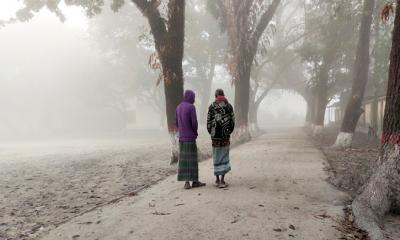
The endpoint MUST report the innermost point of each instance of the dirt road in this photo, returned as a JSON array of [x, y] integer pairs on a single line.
[[277, 191], [46, 183]]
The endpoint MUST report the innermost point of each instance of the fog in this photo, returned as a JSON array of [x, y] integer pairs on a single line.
[[282, 109], [88, 97], [74, 79]]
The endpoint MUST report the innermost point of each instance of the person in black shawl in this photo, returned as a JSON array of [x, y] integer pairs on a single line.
[[220, 125]]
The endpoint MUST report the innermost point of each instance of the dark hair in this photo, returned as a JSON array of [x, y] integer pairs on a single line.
[[219, 92]]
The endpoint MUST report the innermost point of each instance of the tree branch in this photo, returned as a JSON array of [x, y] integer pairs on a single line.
[[282, 49], [156, 22], [176, 16], [265, 20], [223, 11]]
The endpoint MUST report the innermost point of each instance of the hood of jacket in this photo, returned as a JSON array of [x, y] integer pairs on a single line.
[[189, 96]]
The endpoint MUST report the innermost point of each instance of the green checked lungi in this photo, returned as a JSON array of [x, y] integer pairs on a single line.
[[188, 169]]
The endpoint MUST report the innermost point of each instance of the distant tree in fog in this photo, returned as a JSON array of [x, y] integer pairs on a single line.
[[360, 78], [168, 34], [204, 50], [245, 23], [276, 62], [326, 52]]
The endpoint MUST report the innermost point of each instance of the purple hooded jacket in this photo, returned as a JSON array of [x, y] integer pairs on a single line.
[[186, 119]]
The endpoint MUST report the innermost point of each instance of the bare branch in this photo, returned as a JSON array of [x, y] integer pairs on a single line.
[[156, 22], [265, 20], [282, 49], [223, 11]]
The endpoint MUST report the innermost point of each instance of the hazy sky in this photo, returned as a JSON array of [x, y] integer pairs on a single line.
[[75, 15], [48, 64], [8, 8]]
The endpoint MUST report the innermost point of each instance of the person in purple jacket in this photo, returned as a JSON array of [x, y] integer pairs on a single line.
[[186, 122]]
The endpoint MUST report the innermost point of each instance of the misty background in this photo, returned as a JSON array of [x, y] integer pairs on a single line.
[[89, 77]]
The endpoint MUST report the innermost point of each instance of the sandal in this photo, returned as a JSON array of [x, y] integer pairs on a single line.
[[198, 184], [223, 185], [187, 186], [217, 184]]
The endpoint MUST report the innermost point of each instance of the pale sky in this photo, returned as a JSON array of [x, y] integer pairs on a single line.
[[75, 15], [8, 8]]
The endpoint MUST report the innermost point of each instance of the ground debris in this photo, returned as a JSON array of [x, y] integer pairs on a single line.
[[235, 219], [322, 216], [349, 169], [95, 174], [161, 213], [348, 228]]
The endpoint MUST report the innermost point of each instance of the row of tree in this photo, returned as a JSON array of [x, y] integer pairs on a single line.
[[337, 58], [332, 63], [324, 47]]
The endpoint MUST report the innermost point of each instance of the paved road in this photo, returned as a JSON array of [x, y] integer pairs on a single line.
[[277, 191]]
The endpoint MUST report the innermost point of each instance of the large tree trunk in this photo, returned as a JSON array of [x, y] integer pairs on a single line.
[[172, 69], [243, 38], [169, 42], [242, 97], [361, 66], [382, 193], [321, 96]]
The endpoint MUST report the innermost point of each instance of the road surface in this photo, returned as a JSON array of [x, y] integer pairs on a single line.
[[277, 191]]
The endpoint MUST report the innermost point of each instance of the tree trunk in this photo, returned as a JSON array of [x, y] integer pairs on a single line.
[[253, 109], [169, 42], [243, 38], [255, 105], [310, 111], [321, 98], [242, 97], [361, 66], [172, 69], [382, 193]]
